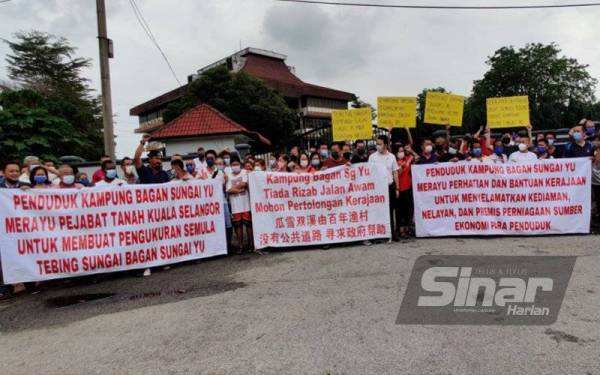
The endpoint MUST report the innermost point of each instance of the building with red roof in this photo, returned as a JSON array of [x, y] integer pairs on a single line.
[[203, 126], [313, 103]]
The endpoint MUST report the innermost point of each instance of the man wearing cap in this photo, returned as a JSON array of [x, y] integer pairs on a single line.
[[153, 172]]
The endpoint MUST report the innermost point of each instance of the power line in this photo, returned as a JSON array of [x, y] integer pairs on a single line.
[[142, 21], [444, 7]]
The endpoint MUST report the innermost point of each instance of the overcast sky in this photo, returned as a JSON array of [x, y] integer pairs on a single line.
[[368, 51]]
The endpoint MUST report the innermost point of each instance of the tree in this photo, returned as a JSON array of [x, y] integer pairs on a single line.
[[244, 99], [28, 128], [559, 88], [51, 88]]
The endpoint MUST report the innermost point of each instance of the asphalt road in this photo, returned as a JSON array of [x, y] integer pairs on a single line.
[[296, 312]]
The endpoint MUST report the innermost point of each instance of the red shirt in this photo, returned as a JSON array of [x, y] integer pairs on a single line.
[[330, 163], [404, 178], [98, 176]]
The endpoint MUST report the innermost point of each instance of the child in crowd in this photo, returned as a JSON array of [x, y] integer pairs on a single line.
[[239, 198]]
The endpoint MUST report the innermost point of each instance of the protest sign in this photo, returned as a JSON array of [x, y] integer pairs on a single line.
[[396, 112], [341, 204], [444, 109], [507, 112], [474, 198], [352, 124], [51, 233]]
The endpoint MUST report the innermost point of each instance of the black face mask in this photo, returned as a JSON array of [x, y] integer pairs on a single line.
[[201, 156], [347, 155], [506, 140], [360, 151], [335, 155], [439, 148]]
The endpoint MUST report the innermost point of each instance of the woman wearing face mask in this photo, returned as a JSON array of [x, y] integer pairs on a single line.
[[260, 165], [499, 155], [303, 164], [427, 155], [39, 178], [272, 163], [404, 202], [315, 162]]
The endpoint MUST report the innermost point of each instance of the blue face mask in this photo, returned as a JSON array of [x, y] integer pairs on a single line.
[[590, 131], [541, 150], [577, 136], [39, 180], [315, 162], [2, 179], [221, 167], [227, 161], [210, 162], [498, 150], [476, 152], [84, 182], [324, 153], [190, 168], [111, 174]]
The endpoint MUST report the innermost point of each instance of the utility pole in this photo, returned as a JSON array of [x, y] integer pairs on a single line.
[[105, 54]]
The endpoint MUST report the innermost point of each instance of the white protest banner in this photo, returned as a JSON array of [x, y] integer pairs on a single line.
[[341, 204], [474, 198], [54, 233]]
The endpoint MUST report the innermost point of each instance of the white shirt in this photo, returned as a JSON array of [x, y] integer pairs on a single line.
[[200, 165], [115, 182], [519, 157], [498, 159], [388, 160], [240, 202]]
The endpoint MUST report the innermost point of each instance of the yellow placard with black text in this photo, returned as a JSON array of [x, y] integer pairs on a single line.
[[444, 109], [352, 124], [396, 112], [507, 112]]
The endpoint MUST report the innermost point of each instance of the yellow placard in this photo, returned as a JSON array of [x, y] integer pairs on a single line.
[[507, 112], [444, 109], [351, 124], [396, 112]]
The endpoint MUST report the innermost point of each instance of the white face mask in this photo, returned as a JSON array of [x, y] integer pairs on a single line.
[[522, 147], [68, 179], [428, 149], [236, 169], [401, 155], [304, 163], [452, 150], [257, 169]]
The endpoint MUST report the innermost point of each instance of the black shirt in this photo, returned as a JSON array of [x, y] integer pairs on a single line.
[[573, 150], [448, 156], [149, 175], [359, 159]]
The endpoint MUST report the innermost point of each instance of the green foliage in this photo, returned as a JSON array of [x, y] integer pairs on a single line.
[[53, 94], [244, 99], [560, 89]]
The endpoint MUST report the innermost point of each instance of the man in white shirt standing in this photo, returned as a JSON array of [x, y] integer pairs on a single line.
[[523, 154], [200, 161], [387, 159], [180, 173], [110, 175]]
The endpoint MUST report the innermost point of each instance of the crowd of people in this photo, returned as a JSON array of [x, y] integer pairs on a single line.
[[229, 168]]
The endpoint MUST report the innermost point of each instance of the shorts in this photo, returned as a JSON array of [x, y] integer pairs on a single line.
[[241, 218]]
